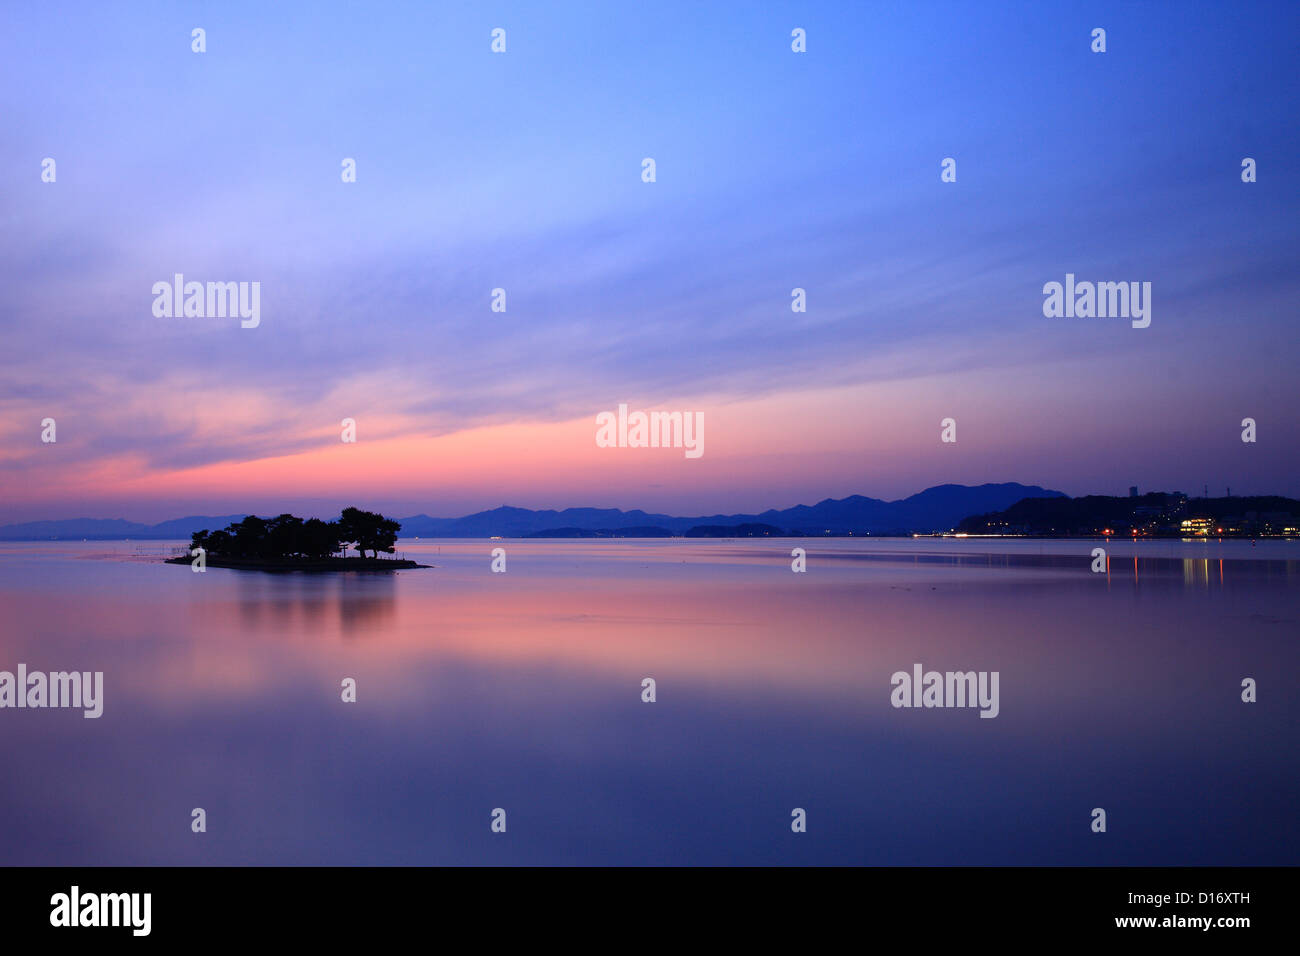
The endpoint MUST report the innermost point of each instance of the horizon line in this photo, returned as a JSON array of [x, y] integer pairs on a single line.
[[624, 510]]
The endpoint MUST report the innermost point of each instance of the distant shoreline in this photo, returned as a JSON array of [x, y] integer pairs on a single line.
[[607, 535], [1009, 508]]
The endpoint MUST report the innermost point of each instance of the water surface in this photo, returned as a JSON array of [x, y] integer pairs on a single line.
[[523, 691]]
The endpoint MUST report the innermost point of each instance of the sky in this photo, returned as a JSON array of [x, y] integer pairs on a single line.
[[522, 170]]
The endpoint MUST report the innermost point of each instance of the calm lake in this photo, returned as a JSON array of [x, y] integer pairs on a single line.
[[523, 691]]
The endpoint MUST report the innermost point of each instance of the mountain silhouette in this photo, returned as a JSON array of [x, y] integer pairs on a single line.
[[940, 508], [935, 509]]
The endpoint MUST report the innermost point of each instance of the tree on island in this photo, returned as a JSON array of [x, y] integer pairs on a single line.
[[368, 531], [320, 539], [288, 536]]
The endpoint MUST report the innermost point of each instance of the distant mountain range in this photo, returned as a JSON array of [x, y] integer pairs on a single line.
[[940, 508], [112, 529]]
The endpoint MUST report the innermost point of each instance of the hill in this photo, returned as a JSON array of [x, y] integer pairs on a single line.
[[940, 508]]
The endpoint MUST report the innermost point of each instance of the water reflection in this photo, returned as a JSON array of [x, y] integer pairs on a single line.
[[522, 690], [351, 604]]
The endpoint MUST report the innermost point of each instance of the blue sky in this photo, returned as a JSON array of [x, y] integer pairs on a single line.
[[775, 170]]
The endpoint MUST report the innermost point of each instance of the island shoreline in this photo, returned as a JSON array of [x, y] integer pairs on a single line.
[[315, 566]]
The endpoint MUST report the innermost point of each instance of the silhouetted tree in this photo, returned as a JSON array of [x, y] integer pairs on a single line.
[[283, 537], [368, 531], [288, 535], [320, 539], [219, 543], [248, 537]]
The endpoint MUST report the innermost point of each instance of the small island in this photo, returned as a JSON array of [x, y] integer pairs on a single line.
[[290, 543]]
